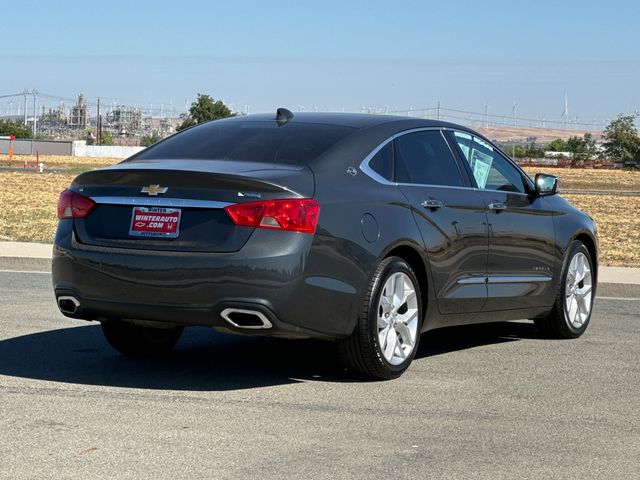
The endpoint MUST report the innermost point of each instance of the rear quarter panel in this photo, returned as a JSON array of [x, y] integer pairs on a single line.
[[352, 205]]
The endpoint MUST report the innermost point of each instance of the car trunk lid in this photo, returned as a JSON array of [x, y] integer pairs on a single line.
[[196, 193]]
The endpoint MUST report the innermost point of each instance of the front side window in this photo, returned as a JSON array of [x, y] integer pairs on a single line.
[[490, 169], [425, 158]]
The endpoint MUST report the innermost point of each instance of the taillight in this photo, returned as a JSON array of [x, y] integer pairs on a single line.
[[74, 205], [294, 215]]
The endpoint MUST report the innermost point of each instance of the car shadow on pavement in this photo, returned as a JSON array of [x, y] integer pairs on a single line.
[[205, 360], [453, 339]]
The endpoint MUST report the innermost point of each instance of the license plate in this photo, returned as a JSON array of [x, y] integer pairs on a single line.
[[155, 222]]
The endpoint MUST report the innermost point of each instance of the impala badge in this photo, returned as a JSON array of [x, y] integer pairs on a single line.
[[154, 190]]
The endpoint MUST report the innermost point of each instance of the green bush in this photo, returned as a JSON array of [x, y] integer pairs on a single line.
[[18, 130]]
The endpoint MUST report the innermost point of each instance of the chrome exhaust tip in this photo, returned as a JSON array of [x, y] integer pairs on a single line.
[[68, 304], [246, 319]]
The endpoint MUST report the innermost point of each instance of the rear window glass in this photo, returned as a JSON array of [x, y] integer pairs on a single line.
[[292, 143]]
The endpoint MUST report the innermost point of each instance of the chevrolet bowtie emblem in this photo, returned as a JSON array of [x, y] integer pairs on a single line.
[[154, 190]]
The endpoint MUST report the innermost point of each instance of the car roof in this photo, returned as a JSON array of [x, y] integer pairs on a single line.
[[354, 120]]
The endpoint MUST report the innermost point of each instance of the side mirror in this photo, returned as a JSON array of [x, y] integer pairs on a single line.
[[546, 184]]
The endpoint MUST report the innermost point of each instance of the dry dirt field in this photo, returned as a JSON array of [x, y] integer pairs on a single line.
[[28, 203], [59, 162], [616, 215], [592, 179]]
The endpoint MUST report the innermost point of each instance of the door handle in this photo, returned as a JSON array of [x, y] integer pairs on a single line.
[[432, 204], [497, 206]]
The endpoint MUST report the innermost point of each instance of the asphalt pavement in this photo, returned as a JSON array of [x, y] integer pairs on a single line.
[[492, 401]]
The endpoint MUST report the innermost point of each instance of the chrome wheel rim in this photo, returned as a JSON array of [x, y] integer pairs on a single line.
[[578, 290], [397, 318]]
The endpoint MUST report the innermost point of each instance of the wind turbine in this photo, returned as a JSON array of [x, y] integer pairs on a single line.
[[565, 112]]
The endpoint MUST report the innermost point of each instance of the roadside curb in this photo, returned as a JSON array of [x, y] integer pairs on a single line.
[[618, 290], [28, 264]]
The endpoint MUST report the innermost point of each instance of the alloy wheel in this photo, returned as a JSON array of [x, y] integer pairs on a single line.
[[397, 318], [578, 290]]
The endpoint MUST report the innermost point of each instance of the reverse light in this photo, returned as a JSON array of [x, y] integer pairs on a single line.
[[74, 205], [294, 215]]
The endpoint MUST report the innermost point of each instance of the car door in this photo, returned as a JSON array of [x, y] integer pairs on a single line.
[[521, 232], [450, 215]]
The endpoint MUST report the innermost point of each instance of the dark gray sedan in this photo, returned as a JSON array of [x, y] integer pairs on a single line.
[[366, 230]]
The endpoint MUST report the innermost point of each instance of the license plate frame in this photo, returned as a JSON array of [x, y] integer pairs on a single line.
[[155, 222]]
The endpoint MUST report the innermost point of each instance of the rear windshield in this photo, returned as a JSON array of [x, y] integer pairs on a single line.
[[292, 143]]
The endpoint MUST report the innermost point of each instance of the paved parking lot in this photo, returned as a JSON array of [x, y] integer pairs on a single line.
[[479, 402]]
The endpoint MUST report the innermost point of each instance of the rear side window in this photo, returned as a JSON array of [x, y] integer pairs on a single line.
[[251, 141], [425, 158], [382, 162]]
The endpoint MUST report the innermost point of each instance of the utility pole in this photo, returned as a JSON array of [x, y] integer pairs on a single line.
[[98, 125], [438, 109], [25, 93], [35, 112], [486, 115]]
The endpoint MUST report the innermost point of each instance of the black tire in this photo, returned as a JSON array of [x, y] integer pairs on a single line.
[[137, 341], [361, 351], [557, 324]]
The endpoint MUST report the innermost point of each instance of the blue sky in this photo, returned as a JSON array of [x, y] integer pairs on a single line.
[[332, 55]]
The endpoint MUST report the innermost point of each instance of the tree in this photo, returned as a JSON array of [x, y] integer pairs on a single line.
[[589, 145], [148, 140], [106, 138], [18, 130], [574, 145], [622, 141], [533, 150], [557, 145], [582, 147], [205, 109]]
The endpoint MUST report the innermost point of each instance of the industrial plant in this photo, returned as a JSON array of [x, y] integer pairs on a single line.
[[81, 120]]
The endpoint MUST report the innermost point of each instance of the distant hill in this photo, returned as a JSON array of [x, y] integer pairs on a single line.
[[521, 134]]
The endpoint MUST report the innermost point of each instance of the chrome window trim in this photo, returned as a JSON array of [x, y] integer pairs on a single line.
[[370, 172], [364, 165], [367, 170], [159, 202]]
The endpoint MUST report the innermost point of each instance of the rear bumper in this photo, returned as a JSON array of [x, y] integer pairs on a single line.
[[270, 275]]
